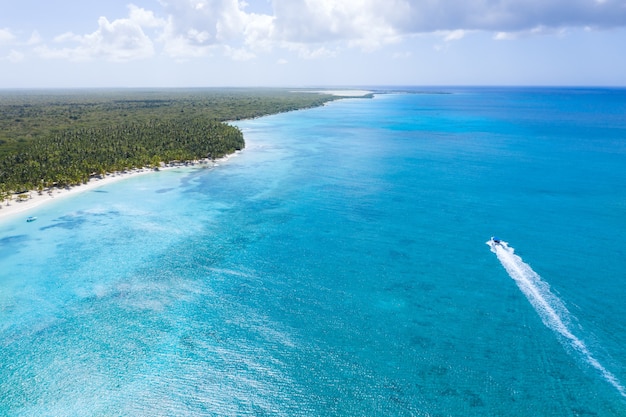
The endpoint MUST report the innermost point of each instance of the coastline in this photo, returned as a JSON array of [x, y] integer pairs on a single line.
[[36, 199], [22, 207], [347, 93]]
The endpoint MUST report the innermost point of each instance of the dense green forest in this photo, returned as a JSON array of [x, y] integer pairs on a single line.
[[62, 138]]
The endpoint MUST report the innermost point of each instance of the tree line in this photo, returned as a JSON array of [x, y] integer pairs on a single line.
[[55, 138], [73, 156], [31, 114]]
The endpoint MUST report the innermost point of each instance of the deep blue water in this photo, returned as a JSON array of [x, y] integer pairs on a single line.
[[338, 267]]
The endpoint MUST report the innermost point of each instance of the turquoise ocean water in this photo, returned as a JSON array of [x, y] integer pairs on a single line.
[[338, 267]]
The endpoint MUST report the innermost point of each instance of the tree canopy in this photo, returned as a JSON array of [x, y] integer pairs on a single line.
[[64, 137]]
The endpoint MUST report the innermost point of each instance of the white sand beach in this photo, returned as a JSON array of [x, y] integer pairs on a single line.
[[21, 206], [342, 93]]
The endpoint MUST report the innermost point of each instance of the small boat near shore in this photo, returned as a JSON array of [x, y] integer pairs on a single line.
[[31, 219]]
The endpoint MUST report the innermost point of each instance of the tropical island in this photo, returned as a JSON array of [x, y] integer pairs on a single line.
[[58, 139]]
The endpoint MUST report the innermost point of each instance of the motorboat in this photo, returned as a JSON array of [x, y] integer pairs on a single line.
[[31, 219], [495, 243]]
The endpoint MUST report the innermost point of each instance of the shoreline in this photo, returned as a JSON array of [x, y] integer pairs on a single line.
[[345, 93], [22, 207], [36, 199]]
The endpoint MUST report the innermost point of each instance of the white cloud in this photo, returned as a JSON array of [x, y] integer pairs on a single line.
[[6, 36], [185, 29], [539, 30], [372, 23], [221, 20], [505, 36], [145, 18], [119, 40], [363, 23], [319, 28], [259, 31], [308, 27], [67, 37], [196, 27], [35, 38], [184, 45], [455, 35]]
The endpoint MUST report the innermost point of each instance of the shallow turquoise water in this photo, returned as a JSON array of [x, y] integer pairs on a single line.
[[337, 266]]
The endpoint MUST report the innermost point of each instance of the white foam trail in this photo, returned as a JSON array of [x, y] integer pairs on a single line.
[[550, 308]]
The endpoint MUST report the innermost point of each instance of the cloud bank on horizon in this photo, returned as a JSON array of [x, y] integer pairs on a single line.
[[184, 30]]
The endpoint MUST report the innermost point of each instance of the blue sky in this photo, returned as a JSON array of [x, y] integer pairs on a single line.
[[301, 43]]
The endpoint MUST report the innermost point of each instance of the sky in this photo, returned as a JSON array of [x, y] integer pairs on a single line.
[[311, 43]]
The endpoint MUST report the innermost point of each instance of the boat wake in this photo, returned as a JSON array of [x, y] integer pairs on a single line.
[[550, 308]]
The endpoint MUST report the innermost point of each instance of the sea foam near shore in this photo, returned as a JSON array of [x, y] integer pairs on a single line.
[[22, 206]]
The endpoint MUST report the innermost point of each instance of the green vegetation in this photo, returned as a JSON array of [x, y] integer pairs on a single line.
[[63, 138]]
